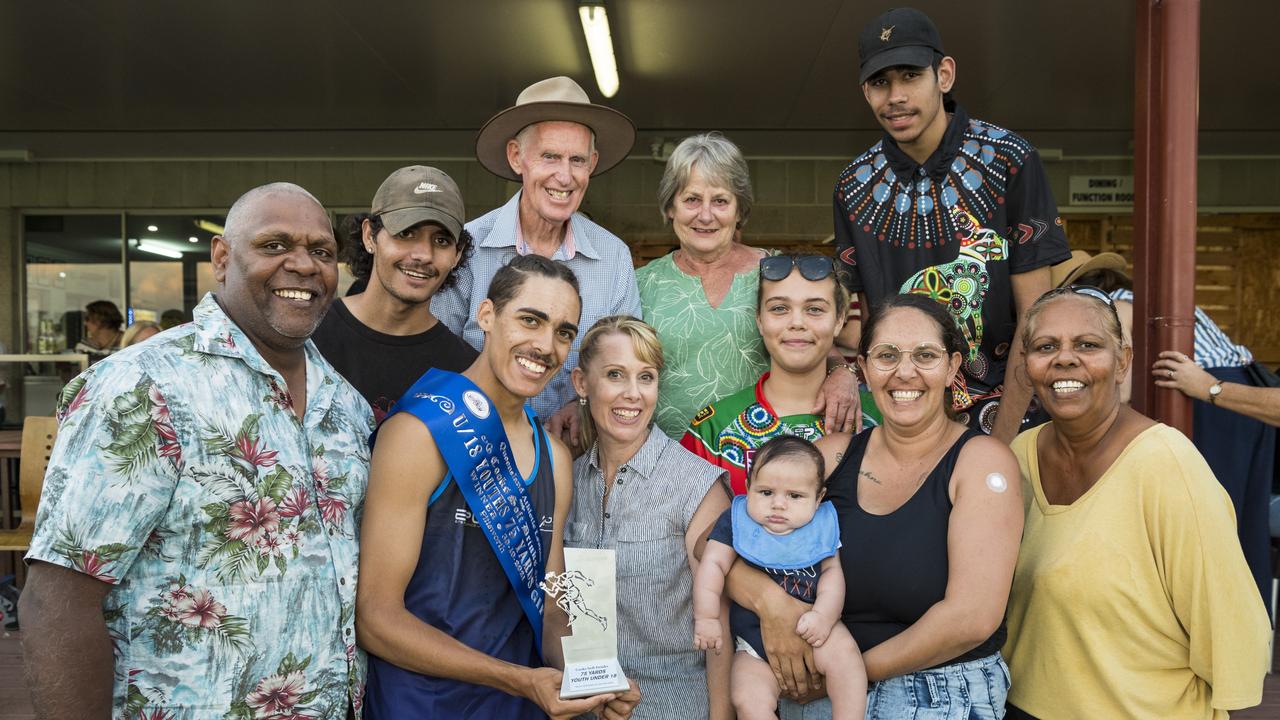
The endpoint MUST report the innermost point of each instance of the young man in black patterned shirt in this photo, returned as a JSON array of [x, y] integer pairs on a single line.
[[950, 207]]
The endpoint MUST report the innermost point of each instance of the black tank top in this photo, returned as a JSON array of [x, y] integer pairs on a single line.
[[895, 565], [459, 587]]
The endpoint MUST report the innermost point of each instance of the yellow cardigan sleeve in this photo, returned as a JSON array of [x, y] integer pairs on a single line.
[[1193, 532]]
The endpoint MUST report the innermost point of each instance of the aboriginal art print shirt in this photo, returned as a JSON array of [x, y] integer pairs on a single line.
[[726, 433], [953, 229], [227, 526]]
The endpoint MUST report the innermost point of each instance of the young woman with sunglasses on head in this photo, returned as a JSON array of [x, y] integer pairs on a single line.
[[930, 515], [1131, 596], [801, 306]]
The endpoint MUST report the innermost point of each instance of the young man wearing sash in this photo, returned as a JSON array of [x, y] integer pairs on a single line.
[[454, 623]]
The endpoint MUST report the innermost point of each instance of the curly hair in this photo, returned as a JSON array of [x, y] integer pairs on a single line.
[[360, 261]]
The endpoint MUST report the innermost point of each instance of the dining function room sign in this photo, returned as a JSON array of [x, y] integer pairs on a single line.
[[1100, 190]]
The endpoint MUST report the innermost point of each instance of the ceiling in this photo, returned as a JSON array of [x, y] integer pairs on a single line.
[[416, 78]]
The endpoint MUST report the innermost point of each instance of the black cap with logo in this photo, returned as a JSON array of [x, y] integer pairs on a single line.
[[902, 36]]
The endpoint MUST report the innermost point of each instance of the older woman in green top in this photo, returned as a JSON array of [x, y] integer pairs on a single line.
[[701, 298]]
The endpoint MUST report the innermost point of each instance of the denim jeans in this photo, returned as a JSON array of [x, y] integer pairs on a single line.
[[961, 691]]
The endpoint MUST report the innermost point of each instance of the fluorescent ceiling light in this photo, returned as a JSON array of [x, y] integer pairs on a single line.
[[595, 25], [157, 250], [210, 227]]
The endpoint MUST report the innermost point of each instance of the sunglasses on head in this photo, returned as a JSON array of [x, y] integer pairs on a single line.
[[812, 267], [1091, 291], [1085, 290]]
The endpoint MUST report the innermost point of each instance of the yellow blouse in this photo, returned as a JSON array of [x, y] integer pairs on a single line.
[[1134, 601]]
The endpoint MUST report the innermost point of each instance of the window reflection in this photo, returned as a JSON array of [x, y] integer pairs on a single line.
[[166, 254], [72, 260]]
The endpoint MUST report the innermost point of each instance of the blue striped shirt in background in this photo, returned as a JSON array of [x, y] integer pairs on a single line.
[[1213, 349]]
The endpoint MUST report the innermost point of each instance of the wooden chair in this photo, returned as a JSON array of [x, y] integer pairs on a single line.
[[38, 434]]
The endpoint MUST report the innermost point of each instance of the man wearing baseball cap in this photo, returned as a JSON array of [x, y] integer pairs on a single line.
[[406, 248], [950, 207], [552, 142]]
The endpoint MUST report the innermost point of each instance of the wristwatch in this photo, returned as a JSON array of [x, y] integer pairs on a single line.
[[1214, 391]]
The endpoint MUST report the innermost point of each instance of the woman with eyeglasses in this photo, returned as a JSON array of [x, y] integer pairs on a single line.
[[930, 516], [701, 297], [1131, 597], [802, 306]]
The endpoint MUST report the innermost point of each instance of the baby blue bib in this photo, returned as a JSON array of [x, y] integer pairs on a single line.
[[801, 548]]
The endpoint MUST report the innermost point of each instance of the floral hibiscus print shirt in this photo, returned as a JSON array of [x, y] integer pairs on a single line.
[[228, 526]]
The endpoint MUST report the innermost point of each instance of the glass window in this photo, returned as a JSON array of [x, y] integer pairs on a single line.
[[72, 260], [167, 254]]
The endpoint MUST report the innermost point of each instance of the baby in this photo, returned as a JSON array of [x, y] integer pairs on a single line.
[[779, 527]]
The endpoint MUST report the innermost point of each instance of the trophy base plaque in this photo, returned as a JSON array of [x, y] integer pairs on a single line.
[[585, 679]]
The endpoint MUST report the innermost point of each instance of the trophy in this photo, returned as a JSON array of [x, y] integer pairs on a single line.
[[587, 593]]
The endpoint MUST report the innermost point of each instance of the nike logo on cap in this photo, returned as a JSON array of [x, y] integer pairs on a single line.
[[425, 187]]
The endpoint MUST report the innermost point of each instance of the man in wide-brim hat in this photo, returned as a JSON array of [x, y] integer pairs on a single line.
[[552, 141]]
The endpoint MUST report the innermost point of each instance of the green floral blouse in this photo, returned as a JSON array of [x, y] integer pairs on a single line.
[[709, 352]]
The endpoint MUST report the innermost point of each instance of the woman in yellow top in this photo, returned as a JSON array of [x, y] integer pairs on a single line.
[[1131, 598]]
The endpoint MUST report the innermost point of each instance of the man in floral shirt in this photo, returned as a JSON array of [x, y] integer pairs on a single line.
[[200, 509]]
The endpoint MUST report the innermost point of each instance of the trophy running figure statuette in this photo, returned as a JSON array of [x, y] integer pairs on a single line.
[[587, 592]]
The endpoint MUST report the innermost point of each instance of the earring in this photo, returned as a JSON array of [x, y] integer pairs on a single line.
[[582, 401]]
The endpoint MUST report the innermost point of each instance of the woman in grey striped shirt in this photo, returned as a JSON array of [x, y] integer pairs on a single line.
[[639, 493]]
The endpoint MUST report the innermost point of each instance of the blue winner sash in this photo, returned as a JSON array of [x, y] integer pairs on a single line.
[[470, 437]]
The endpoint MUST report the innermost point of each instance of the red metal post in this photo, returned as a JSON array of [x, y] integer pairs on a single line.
[[1165, 123]]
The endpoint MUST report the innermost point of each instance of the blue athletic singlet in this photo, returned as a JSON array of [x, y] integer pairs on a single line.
[[459, 587]]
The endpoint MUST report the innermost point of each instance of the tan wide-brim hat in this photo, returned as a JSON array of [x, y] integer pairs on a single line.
[[557, 98], [1081, 262]]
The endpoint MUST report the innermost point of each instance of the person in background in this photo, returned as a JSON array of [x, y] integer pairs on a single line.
[[949, 207], [407, 247], [701, 298], [195, 550], [171, 318], [637, 492], [552, 141], [1239, 447], [1178, 372], [139, 331], [102, 321], [1131, 598]]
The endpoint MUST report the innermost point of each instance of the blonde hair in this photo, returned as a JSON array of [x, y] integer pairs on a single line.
[[644, 339], [131, 335]]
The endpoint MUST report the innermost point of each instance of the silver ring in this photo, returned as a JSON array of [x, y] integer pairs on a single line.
[[1169, 373]]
